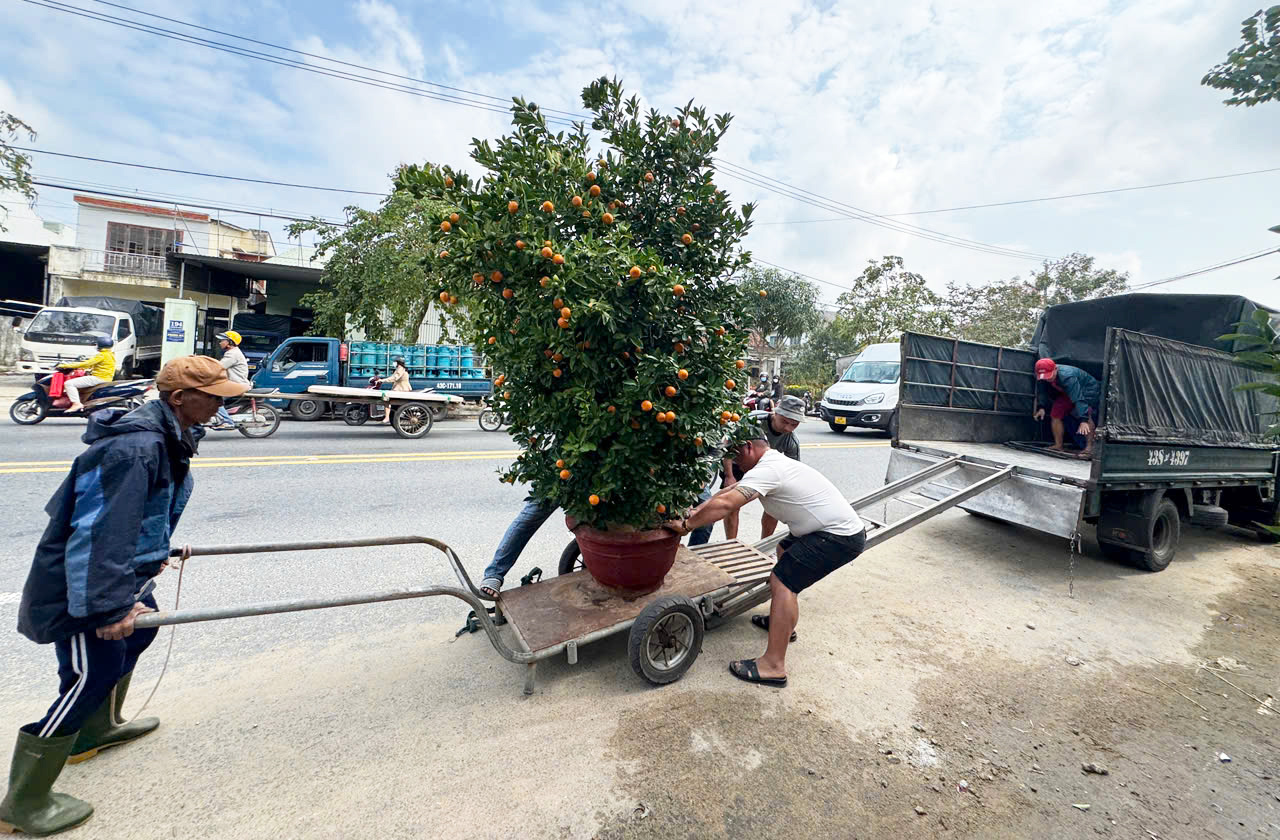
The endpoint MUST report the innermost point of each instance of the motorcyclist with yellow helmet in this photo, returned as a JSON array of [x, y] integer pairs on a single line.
[[237, 369]]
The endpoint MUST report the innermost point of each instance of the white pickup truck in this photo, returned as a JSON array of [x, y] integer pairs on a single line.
[[69, 332]]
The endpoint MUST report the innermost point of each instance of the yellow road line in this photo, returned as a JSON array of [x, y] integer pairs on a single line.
[[13, 467]]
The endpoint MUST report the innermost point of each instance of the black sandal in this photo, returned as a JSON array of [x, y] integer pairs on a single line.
[[747, 671], [762, 621]]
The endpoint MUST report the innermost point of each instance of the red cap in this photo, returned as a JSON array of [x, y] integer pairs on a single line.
[[1045, 369]]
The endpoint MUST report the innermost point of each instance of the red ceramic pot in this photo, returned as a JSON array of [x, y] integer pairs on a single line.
[[631, 563]]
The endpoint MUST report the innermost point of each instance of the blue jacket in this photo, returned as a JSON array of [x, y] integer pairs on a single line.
[[109, 523], [1082, 389]]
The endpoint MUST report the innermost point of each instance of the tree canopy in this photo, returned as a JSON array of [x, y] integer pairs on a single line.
[[1252, 70], [789, 306], [15, 167]]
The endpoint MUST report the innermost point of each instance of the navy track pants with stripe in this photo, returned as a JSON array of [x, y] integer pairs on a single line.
[[89, 668]]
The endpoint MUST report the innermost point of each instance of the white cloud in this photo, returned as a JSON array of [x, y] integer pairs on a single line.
[[887, 106]]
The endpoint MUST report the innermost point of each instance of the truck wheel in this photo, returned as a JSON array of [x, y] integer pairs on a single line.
[[28, 412], [1164, 530], [666, 639], [836, 428], [570, 559], [1210, 516], [306, 409], [412, 421]]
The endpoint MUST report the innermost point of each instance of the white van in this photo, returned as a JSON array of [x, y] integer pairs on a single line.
[[867, 393]]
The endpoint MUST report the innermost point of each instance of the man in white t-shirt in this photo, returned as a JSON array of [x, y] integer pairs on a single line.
[[826, 533]]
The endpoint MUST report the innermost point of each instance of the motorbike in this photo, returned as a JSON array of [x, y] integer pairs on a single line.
[[35, 405], [252, 415], [491, 420], [758, 401]]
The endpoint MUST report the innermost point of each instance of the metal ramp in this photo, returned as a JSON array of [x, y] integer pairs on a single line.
[[751, 565], [917, 490]]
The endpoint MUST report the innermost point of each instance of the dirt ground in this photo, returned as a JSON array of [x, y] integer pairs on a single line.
[[953, 684]]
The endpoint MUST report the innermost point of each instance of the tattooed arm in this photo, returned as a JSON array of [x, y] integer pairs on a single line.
[[716, 508]]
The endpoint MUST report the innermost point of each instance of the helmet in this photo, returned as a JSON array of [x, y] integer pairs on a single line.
[[764, 377], [399, 360], [230, 335], [105, 341]]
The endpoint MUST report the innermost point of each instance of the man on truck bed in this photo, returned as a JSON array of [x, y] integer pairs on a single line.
[[1067, 391]]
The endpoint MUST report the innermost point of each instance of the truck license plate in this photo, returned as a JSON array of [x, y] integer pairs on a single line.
[[841, 421]]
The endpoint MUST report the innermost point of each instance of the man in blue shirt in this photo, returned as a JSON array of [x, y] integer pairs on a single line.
[[1068, 391]]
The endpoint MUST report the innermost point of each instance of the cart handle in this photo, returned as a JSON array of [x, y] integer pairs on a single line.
[[468, 595]]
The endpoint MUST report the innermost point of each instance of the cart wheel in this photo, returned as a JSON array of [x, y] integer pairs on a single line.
[[570, 559], [665, 639], [412, 421], [307, 409], [356, 415]]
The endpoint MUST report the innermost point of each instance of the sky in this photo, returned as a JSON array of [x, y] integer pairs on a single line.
[[887, 106]]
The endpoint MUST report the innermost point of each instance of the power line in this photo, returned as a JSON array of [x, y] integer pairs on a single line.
[[821, 202], [199, 174], [278, 60], [162, 201], [1208, 269], [501, 99]]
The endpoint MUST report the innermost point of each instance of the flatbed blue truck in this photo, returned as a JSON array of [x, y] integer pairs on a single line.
[[303, 361]]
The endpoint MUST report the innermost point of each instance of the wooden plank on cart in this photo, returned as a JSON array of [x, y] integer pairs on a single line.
[[559, 609]]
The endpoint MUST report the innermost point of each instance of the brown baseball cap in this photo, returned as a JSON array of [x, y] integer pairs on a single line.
[[200, 373]]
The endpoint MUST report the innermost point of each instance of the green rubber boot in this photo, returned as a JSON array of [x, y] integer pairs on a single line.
[[30, 805], [106, 728]]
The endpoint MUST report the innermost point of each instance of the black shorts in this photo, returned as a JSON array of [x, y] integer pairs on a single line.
[[808, 559]]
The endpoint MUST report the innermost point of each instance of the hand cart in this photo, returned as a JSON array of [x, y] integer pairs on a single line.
[[412, 412]]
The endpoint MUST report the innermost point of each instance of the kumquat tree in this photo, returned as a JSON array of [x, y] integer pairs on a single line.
[[600, 287]]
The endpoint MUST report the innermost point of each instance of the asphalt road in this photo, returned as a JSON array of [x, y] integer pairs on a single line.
[[313, 481]]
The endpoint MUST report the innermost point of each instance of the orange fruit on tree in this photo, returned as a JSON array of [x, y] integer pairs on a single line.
[[506, 395], [557, 357], [563, 322], [558, 259], [586, 214], [593, 500], [679, 211], [671, 417], [508, 294], [512, 206], [496, 276], [648, 176], [493, 340], [724, 415], [724, 421], [557, 373], [735, 417], [687, 239], [591, 176], [497, 383], [453, 298], [677, 290], [566, 312], [546, 252], [730, 384], [739, 364], [626, 355], [697, 441], [454, 217], [478, 278], [444, 297], [448, 182], [612, 409], [607, 218], [635, 425], [652, 269], [444, 254], [646, 406], [763, 293], [576, 201], [564, 475], [670, 391], [557, 303], [548, 207], [546, 243], [520, 244], [695, 227], [559, 462], [662, 508], [544, 282], [635, 272], [445, 226], [679, 348], [720, 331], [594, 191], [661, 417], [683, 374]]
